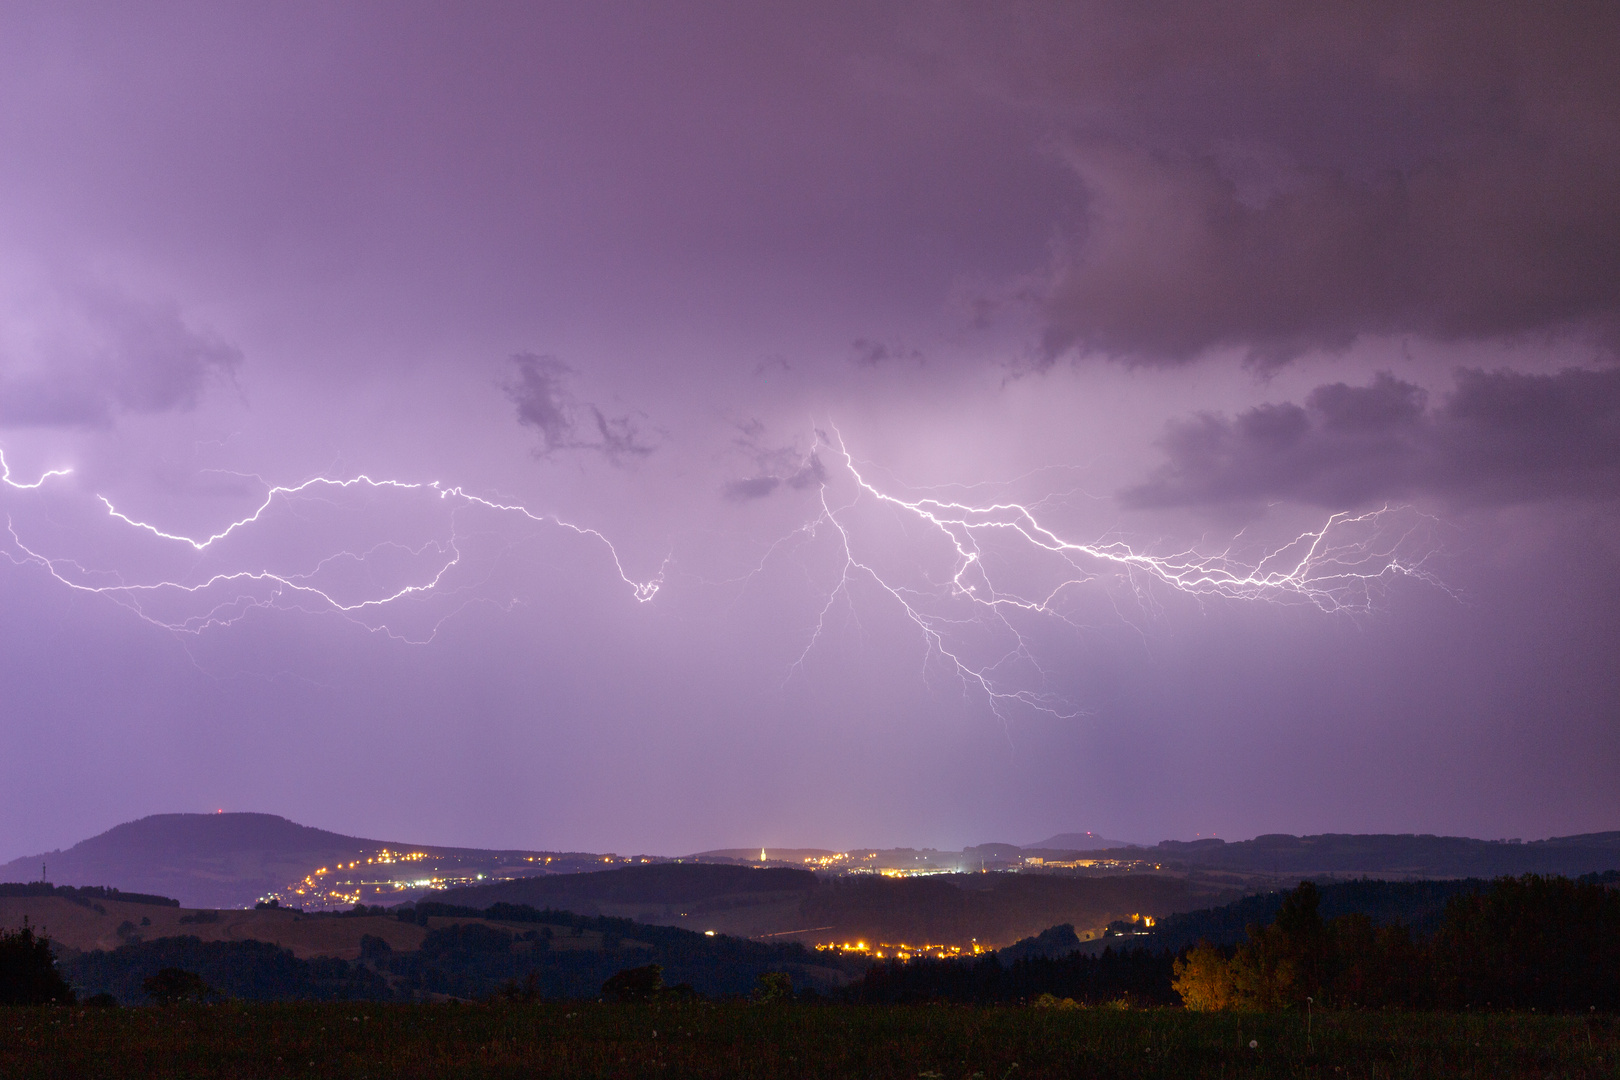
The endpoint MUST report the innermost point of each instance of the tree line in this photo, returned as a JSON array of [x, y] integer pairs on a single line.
[[1531, 942], [1543, 943], [466, 959]]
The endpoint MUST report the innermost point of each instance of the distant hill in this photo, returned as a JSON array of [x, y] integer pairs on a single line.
[[78, 923], [1418, 905], [1415, 904], [1054, 942], [743, 901], [203, 860], [1077, 841], [995, 909], [232, 860], [798, 856], [796, 905], [427, 954], [656, 883], [1397, 855]]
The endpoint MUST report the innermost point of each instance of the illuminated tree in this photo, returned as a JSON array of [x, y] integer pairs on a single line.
[[1204, 980]]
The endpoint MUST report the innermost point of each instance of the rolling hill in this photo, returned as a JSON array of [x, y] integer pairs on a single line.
[[1397, 855], [795, 905], [234, 860]]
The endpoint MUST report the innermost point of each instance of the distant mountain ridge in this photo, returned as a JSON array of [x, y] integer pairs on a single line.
[[204, 860], [232, 860], [1399, 854], [790, 904], [1077, 841]]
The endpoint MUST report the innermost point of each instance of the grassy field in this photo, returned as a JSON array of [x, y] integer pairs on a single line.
[[741, 1040]]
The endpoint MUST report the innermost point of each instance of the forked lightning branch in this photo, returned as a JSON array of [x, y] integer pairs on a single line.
[[976, 579]]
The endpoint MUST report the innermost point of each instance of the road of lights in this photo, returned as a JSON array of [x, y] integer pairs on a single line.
[[982, 583]]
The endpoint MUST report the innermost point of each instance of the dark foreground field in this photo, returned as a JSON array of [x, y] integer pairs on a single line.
[[741, 1040]]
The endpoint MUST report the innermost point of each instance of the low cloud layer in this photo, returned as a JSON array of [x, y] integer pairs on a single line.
[[1497, 437]]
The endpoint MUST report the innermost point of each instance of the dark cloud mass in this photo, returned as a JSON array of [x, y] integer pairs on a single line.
[[776, 467], [873, 354], [810, 473], [98, 354], [1498, 437], [1277, 178], [544, 402]]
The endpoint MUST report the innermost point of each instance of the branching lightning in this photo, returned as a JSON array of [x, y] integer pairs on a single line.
[[219, 599], [1337, 567], [984, 584]]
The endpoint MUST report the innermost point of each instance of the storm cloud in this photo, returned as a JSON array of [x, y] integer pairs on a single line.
[[539, 390], [775, 467], [1498, 437], [861, 218], [1277, 178]]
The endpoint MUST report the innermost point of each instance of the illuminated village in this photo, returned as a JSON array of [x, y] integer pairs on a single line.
[[392, 876], [902, 951], [387, 876]]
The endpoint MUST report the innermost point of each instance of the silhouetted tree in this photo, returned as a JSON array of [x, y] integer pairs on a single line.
[[28, 974], [526, 993], [1283, 964], [172, 985], [635, 984], [1532, 941]]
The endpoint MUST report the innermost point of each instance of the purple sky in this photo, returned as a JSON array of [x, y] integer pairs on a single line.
[[721, 291]]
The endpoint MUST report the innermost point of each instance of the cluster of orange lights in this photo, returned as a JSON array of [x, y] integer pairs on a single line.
[[328, 893], [902, 951], [386, 856], [1092, 864]]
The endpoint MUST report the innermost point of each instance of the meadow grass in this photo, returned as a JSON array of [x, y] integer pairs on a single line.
[[358, 1041]]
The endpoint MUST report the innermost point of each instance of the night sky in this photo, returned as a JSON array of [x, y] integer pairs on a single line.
[[669, 426]]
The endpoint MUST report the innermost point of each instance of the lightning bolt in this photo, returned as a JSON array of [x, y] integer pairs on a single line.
[[982, 583], [5, 476], [220, 599], [1339, 567]]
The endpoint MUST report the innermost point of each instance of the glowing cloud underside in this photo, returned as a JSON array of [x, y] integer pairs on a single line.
[[985, 585]]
